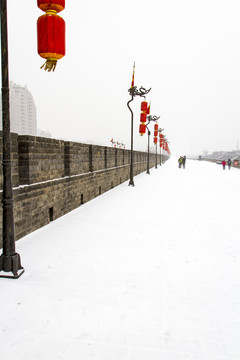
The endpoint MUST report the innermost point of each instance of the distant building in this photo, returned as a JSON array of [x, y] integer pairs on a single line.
[[23, 116], [43, 133]]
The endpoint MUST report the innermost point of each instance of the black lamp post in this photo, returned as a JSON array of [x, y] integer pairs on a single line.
[[133, 91], [160, 131], [150, 118], [10, 261], [165, 143], [156, 157]]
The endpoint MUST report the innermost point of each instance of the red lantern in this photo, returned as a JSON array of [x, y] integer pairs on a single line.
[[144, 106], [155, 133], [143, 117], [142, 129], [155, 140], [51, 39], [148, 110], [51, 33], [155, 127], [46, 5]]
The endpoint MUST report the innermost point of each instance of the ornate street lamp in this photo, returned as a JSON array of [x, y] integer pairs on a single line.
[[165, 143], [155, 140], [160, 143], [150, 118], [10, 261], [133, 91]]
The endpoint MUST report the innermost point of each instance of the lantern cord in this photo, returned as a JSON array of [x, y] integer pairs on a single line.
[[49, 65]]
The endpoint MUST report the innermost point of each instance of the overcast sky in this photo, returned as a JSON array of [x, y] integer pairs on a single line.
[[187, 51]]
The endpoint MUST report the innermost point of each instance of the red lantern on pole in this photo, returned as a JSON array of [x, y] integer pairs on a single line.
[[148, 110], [143, 117], [51, 33], [142, 128], [155, 133], [155, 139], [144, 106], [155, 127]]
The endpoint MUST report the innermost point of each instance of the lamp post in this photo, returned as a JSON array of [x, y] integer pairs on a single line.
[[156, 157], [161, 136], [133, 91], [165, 141], [150, 118], [166, 145], [155, 140], [10, 261]]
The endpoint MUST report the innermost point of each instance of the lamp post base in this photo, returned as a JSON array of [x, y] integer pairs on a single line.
[[11, 263], [131, 182]]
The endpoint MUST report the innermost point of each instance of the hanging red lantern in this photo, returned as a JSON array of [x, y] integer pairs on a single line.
[[142, 128], [155, 140], [148, 110], [144, 106], [45, 5], [155, 127], [155, 133], [143, 117], [51, 33]]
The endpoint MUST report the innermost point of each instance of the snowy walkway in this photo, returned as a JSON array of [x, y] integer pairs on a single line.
[[144, 273]]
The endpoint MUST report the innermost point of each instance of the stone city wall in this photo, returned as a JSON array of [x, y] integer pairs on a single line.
[[52, 177]]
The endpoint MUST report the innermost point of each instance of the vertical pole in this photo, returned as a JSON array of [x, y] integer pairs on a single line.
[[160, 156], [9, 260], [149, 133], [131, 182], [156, 157]]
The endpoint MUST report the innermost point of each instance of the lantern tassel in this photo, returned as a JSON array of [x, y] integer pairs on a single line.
[[49, 65]]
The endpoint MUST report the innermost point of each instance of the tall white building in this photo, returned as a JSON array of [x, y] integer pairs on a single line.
[[23, 116]]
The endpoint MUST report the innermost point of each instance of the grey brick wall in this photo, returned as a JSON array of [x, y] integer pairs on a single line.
[[52, 177]]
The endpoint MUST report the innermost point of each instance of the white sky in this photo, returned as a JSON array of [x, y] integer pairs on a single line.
[[156, 277], [187, 51]]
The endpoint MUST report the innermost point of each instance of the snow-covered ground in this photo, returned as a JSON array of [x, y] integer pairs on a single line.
[[150, 272]]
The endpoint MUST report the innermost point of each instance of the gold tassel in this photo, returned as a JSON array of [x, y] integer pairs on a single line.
[[49, 65]]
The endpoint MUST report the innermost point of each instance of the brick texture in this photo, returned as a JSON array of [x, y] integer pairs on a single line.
[[52, 177]]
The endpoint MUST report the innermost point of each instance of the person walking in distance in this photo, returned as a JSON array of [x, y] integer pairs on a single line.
[[180, 162], [184, 161], [229, 162], [223, 164]]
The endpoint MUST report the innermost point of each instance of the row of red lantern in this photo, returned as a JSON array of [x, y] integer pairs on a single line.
[[145, 110], [161, 139], [51, 32], [164, 145], [155, 139]]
